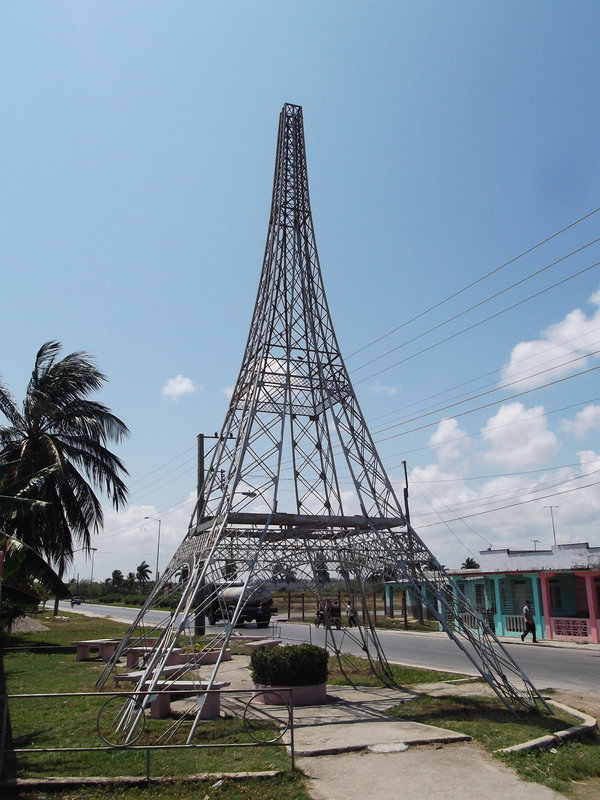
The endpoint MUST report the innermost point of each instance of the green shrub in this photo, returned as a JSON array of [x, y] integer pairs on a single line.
[[292, 665]]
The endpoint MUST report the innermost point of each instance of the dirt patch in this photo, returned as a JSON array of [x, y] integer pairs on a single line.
[[27, 625], [584, 701]]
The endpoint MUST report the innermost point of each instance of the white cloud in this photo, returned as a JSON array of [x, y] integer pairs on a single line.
[[130, 536], [178, 387], [379, 388], [587, 420], [449, 440], [517, 437], [563, 348], [228, 391]]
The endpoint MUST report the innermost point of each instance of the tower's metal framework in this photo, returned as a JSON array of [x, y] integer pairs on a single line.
[[295, 484]]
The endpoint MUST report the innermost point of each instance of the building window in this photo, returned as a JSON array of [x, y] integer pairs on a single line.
[[479, 597], [555, 597]]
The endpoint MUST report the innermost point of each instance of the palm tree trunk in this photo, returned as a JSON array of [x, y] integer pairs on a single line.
[[61, 569]]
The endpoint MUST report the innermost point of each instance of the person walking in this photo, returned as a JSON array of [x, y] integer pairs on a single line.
[[351, 614], [529, 622]]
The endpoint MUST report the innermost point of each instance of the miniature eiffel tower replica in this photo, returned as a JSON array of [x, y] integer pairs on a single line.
[[296, 486]]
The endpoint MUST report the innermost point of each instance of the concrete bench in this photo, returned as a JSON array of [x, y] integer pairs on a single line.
[[167, 691], [174, 670], [105, 647], [133, 655], [258, 643]]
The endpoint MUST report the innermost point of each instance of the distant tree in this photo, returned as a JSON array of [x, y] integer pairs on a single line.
[[130, 582], [230, 571], [117, 580], [143, 573], [320, 567], [290, 576], [469, 563], [278, 571]]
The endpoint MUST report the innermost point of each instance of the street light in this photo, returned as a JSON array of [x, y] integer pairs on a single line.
[[157, 544], [93, 549]]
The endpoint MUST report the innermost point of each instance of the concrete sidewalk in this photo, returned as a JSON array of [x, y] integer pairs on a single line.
[[350, 750], [458, 772]]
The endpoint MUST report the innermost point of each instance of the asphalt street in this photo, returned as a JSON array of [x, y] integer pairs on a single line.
[[571, 667]]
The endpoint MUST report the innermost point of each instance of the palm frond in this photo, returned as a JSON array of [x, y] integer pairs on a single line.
[[22, 563]]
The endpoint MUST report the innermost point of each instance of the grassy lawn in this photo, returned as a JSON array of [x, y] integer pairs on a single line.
[[358, 671], [282, 787]]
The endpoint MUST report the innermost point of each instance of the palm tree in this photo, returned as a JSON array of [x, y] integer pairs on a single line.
[[117, 580], [59, 426], [143, 573], [469, 563]]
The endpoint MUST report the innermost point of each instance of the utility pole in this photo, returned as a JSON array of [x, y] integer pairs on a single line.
[[552, 518]]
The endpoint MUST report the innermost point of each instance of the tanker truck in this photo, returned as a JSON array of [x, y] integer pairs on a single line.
[[257, 606]]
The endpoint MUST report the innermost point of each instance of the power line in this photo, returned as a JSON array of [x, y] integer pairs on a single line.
[[478, 305], [514, 505], [474, 283], [492, 391], [481, 322]]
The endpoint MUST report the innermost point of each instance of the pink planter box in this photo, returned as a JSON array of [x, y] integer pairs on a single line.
[[301, 695]]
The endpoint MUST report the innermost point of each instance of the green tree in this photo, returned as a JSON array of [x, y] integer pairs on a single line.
[[143, 573], [469, 563], [117, 580], [58, 426]]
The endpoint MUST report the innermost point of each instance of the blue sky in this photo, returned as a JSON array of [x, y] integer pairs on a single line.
[[443, 141]]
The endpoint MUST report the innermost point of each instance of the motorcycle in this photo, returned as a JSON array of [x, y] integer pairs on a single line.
[[335, 619]]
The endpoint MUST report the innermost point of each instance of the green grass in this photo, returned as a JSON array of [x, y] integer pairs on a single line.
[[397, 624], [358, 672], [281, 787], [485, 719], [573, 769]]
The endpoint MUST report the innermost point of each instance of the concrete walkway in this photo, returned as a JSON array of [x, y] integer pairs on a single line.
[[350, 750], [457, 772]]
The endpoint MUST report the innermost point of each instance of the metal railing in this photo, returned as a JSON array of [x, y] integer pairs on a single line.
[[267, 726]]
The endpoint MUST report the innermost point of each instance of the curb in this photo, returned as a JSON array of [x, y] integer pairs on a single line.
[[40, 783], [588, 724], [451, 738]]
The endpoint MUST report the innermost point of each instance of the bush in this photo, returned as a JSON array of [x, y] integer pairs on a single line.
[[292, 665]]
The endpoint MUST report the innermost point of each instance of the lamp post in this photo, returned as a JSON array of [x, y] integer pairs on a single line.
[[156, 519], [93, 549]]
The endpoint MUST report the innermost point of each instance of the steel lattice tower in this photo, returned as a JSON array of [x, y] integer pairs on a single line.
[[295, 483]]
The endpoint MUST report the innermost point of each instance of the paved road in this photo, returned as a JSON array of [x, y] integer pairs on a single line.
[[574, 668]]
